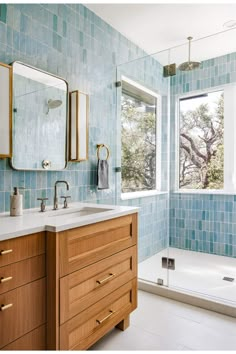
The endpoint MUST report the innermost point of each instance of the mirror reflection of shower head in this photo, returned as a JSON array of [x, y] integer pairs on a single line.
[[53, 104], [189, 65]]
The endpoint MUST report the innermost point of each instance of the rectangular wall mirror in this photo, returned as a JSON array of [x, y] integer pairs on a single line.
[[79, 108], [40, 119], [5, 110]]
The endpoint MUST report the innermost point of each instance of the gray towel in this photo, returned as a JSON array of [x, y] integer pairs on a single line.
[[103, 172]]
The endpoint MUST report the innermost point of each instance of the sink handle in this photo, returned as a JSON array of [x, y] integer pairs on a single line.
[[42, 205], [65, 200]]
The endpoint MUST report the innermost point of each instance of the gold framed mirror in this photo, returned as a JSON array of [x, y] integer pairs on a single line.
[[5, 110], [40, 119]]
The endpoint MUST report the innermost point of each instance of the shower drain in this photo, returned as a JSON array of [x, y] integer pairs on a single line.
[[228, 279]]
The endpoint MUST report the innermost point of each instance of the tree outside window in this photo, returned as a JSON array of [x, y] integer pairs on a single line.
[[138, 139], [201, 157]]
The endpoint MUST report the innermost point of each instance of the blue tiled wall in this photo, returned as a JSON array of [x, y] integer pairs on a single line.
[[70, 41], [153, 224], [201, 222]]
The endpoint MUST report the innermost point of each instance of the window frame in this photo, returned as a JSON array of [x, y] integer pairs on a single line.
[[229, 140], [157, 96]]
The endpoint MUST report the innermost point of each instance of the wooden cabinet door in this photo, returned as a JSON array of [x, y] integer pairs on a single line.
[[83, 330], [81, 289], [27, 311], [85, 245], [19, 248], [23, 272], [34, 340]]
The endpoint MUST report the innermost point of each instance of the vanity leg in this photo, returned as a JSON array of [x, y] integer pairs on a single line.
[[124, 324]]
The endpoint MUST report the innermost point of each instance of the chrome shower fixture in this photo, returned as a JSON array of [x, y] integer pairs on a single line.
[[189, 65], [51, 104]]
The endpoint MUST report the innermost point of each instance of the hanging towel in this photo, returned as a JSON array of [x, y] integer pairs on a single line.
[[103, 172]]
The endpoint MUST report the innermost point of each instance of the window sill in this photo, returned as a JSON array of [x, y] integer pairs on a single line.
[[135, 195], [202, 191]]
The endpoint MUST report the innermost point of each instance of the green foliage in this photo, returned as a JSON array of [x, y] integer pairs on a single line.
[[138, 148], [201, 147], [216, 169]]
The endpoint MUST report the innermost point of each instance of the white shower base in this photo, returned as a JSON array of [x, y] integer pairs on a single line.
[[195, 272]]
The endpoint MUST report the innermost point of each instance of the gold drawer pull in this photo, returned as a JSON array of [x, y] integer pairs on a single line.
[[106, 318], [5, 307], [111, 275], [3, 280], [2, 252]]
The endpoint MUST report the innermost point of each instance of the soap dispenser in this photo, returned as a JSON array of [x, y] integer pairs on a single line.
[[16, 208]]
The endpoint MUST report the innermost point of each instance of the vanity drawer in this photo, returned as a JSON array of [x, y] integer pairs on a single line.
[[28, 311], [83, 288], [19, 248], [20, 273], [83, 246], [34, 340], [86, 328]]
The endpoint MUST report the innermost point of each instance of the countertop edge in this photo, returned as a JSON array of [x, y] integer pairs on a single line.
[[42, 224], [89, 222], [23, 232]]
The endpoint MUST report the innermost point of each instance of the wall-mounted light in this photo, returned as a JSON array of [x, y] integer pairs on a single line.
[[78, 130]]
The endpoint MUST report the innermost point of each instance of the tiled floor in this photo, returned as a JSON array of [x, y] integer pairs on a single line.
[[163, 324], [194, 271]]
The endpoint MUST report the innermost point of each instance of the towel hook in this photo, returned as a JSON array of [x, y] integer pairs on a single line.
[[99, 146]]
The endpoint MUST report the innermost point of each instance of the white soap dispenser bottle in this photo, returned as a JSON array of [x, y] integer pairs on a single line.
[[16, 208]]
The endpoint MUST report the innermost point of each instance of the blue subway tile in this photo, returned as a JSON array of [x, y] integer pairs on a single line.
[[3, 12]]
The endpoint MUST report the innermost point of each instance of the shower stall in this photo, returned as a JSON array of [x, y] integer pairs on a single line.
[[179, 106]]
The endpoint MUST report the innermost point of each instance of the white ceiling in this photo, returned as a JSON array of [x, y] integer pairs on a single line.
[[156, 27]]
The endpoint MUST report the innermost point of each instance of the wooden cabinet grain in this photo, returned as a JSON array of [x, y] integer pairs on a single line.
[[91, 281], [83, 330], [81, 289], [85, 245], [66, 290], [26, 313], [34, 340], [22, 291]]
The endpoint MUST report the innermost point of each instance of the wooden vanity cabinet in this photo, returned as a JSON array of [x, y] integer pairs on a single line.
[[66, 290], [23, 293], [91, 281]]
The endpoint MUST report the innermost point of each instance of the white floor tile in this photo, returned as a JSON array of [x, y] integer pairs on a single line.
[[166, 325], [221, 323], [163, 324], [132, 339], [205, 338], [165, 305]]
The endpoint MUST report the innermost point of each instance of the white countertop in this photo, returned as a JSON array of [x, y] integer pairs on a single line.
[[57, 220]]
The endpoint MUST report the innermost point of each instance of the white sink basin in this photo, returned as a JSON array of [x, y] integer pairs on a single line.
[[75, 213]]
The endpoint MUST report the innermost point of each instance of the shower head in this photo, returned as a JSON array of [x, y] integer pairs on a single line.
[[54, 104], [51, 104], [189, 65]]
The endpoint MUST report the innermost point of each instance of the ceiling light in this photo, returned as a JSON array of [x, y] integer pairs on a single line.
[[230, 24]]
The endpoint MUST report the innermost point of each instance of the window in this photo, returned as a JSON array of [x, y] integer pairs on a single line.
[[138, 138], [201, 141]]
